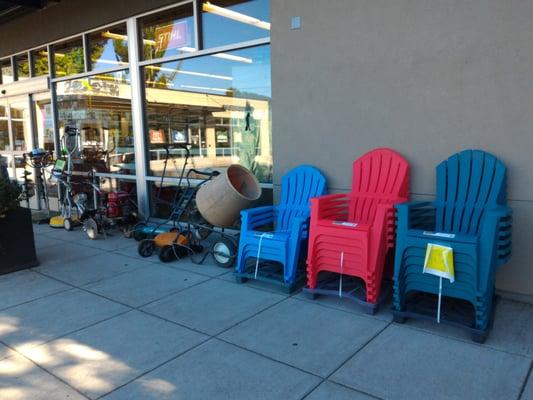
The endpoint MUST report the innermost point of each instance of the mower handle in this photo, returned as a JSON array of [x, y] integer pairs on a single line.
[[204, 173]]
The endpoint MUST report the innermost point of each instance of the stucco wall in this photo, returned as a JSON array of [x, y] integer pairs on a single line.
[[68, 18], [425, 77]]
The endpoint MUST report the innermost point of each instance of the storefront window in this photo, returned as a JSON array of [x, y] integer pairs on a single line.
[[44, 124], [40, 62], [100, 108], [218, 106], [20, 124], [23, 66], [168, 33], [6, 71], [68, 58], [4, 129], [109, 48], [233, 21]]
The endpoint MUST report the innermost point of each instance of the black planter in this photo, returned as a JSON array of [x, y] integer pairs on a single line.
[[17, 247]]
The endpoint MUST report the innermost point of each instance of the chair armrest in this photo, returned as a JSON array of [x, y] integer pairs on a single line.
[[253, 218], [383, 225], [415, 215], [496, 233], [299, 227], [331, 206]]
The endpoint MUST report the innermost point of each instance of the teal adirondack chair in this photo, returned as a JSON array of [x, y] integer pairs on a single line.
[[471, 211]]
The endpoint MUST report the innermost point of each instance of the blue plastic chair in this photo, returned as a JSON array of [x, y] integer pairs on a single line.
[[291, 223], [471, 206]]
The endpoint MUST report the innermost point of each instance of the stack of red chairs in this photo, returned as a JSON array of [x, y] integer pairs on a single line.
[[351, 234]]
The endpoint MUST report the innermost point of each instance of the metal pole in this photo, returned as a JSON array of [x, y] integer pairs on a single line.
[[138, 118]]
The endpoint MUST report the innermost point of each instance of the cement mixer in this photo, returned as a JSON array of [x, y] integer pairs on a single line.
[[219, 202]]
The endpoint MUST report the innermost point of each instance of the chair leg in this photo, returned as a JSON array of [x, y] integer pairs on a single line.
[[398, 296], [312, 275]]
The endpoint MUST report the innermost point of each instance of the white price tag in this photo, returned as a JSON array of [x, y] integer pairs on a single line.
[[440, 234], [344, 223]]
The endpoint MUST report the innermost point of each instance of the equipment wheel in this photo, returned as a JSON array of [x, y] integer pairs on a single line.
[[146, 247], [91, 228], [224, 252], [166, 254], [68, 224]]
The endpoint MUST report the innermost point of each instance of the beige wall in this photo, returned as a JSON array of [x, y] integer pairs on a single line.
[[426, 77]]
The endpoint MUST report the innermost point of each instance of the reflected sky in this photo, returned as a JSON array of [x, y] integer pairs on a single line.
[[249, 75]]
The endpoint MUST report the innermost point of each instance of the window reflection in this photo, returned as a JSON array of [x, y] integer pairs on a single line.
[[220, 106], [6, 71], [68, 58], [23, 66], [7, 160], [4, 135], [168, 33], [109, 48], [100, 107], [44, 125], [40, 62], [232, 21], [20, 124]]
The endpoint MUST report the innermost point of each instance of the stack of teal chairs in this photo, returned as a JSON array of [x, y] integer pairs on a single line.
[[470, 215]]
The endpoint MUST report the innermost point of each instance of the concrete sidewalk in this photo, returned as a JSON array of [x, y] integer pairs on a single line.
[[96, 321]]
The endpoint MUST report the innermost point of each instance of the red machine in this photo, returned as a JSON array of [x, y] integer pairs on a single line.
[[118, 204], [351, 234], [115, 209]]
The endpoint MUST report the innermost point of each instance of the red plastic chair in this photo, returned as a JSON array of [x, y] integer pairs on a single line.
[[350, 234]]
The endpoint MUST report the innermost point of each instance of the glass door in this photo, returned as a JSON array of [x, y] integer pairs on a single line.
[[25, 123], [6, 156], [21, 132]]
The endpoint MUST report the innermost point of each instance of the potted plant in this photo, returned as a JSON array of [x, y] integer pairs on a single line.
[[17, 247]]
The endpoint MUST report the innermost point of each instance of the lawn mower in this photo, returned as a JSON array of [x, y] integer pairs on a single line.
[[111, 209]]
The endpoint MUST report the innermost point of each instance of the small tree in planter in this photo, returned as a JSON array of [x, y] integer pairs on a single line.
[[17, 247]]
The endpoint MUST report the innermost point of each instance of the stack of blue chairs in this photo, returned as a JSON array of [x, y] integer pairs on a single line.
[[470, 215], [290, 220]]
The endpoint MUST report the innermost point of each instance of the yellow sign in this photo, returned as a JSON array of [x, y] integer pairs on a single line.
[[439, 261]]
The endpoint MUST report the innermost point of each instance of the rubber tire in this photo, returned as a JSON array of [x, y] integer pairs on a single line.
[[231, 252], [91, 228], [200, 228], [67, 224], [146, 248], [166, 254], [137, 234]]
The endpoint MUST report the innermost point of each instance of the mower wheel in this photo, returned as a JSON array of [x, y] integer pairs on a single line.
[[68, 224], [166, 254], [224, 251], [200, 228], [138, 233], [146, 247], [91, 228]]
